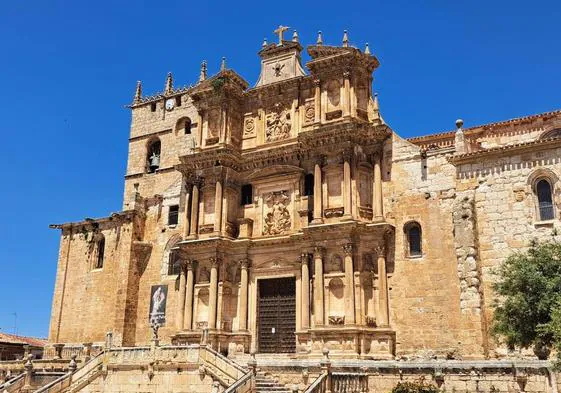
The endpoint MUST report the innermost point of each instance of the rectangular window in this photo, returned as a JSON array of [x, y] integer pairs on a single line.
[[309, 185], [173, 215], [178, 101], [247, 194], [153, 107]]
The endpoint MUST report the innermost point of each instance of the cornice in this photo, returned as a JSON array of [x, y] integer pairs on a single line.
[[125, 215], [533, 146]]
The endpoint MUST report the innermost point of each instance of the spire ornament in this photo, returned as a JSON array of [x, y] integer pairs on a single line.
[[223, 64], [367, 49], [345, 39], [295, 36], [169, 83], [319, 41], [202, 76], [264, 42], [138, 92]]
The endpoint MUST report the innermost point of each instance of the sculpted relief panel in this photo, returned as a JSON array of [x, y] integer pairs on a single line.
[[276, 217], [278, 124]]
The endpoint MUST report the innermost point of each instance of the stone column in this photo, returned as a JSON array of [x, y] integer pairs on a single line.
[[347, 189], [212, 302], [194, 210], [218, 206], [317, 100], [187, 224], [305, 291], [188, 321], [347, 93], [383, 311], [244, 264], [318, 219], [181, 301], [318, 287], [349, 285], [377, 203]]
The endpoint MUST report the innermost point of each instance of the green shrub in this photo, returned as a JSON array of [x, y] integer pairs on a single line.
[[419, 386]]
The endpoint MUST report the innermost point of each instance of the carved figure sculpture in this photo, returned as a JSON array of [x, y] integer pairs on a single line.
[[277, 218], [277, 126]]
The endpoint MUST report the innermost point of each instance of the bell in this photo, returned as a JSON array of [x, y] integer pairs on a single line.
[[155, 161]]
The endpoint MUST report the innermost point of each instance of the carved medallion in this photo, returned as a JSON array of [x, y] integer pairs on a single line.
[[276, 217], [249, 126], [309, 112], [277, 125]]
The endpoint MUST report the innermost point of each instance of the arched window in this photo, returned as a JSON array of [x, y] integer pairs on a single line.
[[99, 252], [187, 126], [413, 237], [545, 200], [153, 155], [174, 267]]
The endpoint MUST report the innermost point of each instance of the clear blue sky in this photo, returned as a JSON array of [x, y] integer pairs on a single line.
[[67, 69]]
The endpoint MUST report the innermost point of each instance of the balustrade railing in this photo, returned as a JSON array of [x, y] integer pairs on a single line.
[[349, 382], [319, 385]]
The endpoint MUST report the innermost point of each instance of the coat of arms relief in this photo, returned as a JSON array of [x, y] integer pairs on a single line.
[[277, 125], [276, 215]]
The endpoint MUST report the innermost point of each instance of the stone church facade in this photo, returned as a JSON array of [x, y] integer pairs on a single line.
[[289, 217]]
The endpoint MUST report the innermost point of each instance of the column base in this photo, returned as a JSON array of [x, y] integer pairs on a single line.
[[317, 221]]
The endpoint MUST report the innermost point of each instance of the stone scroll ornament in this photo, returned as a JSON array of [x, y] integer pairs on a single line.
[[277, 126], [277, 217]]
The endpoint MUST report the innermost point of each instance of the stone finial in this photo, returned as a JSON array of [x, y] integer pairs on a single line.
[[374, 110], [319, 41], [367, 49], [223, 64], [345, 39], [295, 36], [202, 75], [169, 83], [459, 138], [264, 44], [138, 92]]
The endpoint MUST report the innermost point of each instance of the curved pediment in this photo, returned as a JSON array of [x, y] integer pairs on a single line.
[[274, 170], [276, 263]]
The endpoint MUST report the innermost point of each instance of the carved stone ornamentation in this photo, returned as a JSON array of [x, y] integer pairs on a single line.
[[370, 321], [309, 112], [334, 212], [277, 217], [249, 126], [336, 320], [277, 125]]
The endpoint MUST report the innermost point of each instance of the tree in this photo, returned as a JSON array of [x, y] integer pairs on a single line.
[[528, 310]]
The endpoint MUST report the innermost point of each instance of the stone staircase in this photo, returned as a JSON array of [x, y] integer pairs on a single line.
[[265, 384]]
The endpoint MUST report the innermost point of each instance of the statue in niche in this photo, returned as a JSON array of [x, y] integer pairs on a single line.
[[277, 218], [277, 125]]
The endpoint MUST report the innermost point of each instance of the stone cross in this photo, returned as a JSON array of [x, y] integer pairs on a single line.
[[280, 31]]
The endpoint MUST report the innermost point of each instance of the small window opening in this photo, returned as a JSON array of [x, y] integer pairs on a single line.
[[545, 200], [247, 194], [173, 215], [153, 156], [174, 267], [153, 107], [100, 251], [178, 101], [187, 126], [309, 184], [413, 232]]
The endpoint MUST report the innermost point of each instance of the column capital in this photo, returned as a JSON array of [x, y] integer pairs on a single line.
[[244, 263], [214, 261], [346, 74], [305, 257], [318, 252], [348, 249], [380, 251], [189, 264], [347, 154], [317, 82], [319, 159]]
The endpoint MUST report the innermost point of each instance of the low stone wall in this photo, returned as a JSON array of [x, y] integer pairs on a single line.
[[450, 376]]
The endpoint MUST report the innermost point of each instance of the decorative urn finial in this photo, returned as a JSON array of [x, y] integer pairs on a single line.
[[367, 49], [223, 64], [295, 36], [264, 42]]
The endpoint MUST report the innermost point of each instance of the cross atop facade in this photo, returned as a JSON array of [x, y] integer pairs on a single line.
[[280, 31]]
